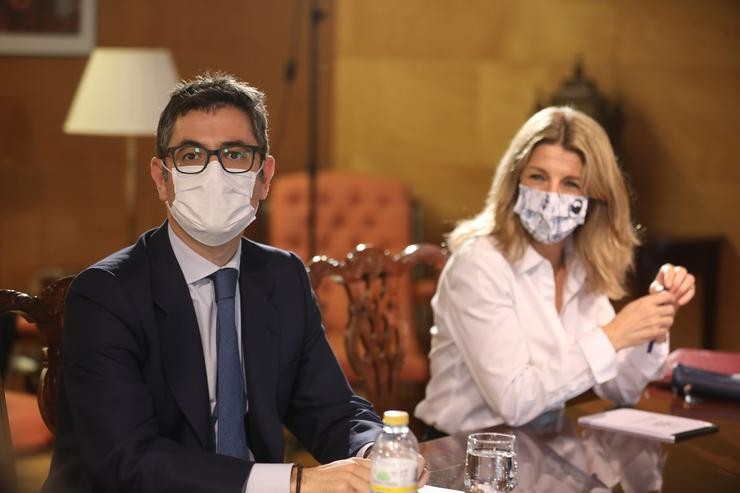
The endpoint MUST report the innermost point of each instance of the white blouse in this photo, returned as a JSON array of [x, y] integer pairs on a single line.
[[502, 354]]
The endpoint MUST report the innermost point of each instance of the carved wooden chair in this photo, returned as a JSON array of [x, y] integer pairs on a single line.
[[26, 420], [380, 344], [352, 208], [7, 465]]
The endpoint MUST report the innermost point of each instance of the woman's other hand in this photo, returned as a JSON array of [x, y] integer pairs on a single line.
[[677, 280], [644, 319]]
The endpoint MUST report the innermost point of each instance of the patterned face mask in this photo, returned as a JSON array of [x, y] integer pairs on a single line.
[[550, 217]]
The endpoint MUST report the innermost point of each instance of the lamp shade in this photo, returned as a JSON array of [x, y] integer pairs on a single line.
[[122, 92]]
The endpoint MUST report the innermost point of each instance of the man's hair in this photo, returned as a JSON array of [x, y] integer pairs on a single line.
[[209, 92], [606, 241]]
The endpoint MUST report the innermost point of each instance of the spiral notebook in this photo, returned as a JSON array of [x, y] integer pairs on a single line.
[[663, 427]]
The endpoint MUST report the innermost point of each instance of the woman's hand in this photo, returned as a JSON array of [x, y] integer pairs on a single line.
[[644, 319], [650, 318], [677, 280]]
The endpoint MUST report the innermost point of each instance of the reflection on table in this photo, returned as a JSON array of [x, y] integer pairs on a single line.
[[554, 454]]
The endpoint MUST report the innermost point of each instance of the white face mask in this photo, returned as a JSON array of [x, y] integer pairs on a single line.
[[550, 217], [213, 206]]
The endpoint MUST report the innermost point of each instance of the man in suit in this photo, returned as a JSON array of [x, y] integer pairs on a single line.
[[185, 354]]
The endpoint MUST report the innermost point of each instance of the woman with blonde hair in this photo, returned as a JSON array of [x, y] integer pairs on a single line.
[[522, 315]]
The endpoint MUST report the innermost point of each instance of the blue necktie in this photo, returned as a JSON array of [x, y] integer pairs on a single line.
[[230, 398]]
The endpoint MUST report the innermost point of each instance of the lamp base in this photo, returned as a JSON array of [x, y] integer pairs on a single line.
[[130, 187]]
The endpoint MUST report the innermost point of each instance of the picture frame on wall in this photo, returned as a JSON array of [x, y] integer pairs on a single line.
[[47, 27]]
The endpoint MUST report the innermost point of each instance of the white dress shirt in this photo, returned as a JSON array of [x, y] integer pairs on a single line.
[[196, 269], [502, 353]]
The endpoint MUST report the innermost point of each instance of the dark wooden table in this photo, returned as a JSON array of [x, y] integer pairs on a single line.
[[557, 455]]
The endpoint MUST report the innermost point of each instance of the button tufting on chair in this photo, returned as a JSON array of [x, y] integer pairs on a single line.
[[352, 209]]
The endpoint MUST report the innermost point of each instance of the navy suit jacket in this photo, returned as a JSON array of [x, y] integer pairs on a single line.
[[133, 405]]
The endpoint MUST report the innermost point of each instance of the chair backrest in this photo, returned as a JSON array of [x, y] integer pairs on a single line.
[[47, 311], [379, 338], [350, 209], [7, 464]]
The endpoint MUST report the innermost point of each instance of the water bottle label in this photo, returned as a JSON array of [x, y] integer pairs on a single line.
[[393, 475]]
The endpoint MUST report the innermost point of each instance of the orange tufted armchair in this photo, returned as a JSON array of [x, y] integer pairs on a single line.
[[351, 209]]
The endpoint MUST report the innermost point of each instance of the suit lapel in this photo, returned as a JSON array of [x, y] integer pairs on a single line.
[[261, 355], [182, 351]]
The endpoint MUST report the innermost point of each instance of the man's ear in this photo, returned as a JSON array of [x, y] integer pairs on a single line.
[[159, 176], [268, 171]]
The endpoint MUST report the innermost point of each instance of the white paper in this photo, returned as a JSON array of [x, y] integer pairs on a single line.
[[663, 427]]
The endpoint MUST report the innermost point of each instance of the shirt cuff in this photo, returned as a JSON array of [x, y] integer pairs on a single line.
[[269, 477], [651, 364], [364, 449], [599, 354]]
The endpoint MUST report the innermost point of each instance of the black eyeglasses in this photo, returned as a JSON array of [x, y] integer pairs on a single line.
[[192, 159]]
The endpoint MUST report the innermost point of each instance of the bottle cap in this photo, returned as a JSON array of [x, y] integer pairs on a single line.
[[396, 418]]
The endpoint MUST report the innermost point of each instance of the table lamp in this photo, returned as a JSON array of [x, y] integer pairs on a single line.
[[122, 92]]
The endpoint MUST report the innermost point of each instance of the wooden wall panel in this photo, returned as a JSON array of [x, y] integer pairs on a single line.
[[411, 75], [428, 91], [61, 196]]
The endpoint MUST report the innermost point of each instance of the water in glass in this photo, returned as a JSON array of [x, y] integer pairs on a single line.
[[490, 463]]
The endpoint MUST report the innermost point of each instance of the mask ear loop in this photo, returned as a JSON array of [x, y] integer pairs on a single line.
[[164, 177], [262, 166]]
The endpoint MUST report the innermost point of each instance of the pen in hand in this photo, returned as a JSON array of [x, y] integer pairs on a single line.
[[656, 288]]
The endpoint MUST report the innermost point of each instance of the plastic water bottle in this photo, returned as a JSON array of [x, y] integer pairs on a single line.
[[395, 456]]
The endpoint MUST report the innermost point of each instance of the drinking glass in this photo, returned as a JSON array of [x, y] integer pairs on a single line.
[[490, 463]]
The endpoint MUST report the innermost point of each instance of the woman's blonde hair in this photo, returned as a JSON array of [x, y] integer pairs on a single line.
[[606, 241]]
